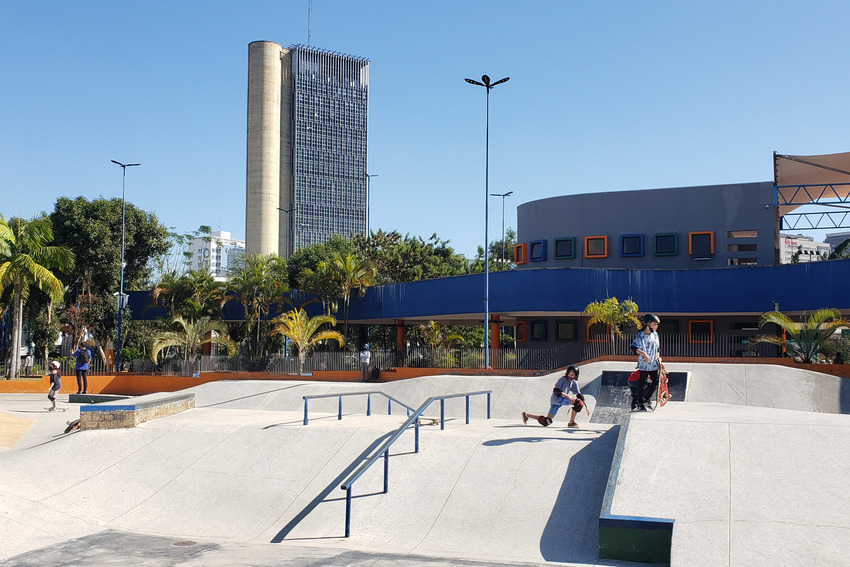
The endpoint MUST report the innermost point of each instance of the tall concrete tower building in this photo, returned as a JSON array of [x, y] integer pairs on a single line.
[[307, 122]]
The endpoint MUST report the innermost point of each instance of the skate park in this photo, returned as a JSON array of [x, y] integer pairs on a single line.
[[748, 469]]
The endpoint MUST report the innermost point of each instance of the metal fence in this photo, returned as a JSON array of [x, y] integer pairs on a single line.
[[520, 357]]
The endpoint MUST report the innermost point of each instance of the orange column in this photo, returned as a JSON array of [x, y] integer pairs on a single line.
[[399, 335], [494, 341]]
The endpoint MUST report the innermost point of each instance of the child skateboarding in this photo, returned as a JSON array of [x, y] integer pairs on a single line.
[[55, 384]]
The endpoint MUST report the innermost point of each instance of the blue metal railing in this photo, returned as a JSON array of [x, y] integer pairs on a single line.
[[384, 449], [368, 395]]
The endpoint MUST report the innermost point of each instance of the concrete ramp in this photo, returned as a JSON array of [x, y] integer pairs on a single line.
[[241, 476], [613, 402]]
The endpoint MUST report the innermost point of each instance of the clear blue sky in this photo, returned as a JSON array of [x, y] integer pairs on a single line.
[[603, 96]]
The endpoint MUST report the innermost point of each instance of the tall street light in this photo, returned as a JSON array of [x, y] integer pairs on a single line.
[[485, 82], [124, 167], [503, 195]]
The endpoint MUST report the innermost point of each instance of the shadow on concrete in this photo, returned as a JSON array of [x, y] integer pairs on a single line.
[[572, 532], [251, 396], [333, 485]]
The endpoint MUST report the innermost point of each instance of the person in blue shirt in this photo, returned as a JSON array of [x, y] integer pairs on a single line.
[[646, 346], [565, 393], [83, 356]]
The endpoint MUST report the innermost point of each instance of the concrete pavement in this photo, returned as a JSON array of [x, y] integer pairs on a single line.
[[747, 485]]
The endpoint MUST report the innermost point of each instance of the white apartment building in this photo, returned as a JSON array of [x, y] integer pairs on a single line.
[[218, 253], [810, 251]]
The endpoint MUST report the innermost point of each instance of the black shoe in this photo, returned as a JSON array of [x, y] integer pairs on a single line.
[[641, 408]]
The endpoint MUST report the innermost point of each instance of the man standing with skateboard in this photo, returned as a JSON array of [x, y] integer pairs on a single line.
[[646, 346]]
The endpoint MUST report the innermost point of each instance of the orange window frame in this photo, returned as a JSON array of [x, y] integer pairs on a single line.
[[522, 332], [691, 331], [520, 253], [691, 240], [587, 240], [592, 340]]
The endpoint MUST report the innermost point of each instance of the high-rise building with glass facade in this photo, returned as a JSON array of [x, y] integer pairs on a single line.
[[307, 132]]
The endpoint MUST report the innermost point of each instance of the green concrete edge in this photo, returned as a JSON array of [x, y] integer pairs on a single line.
[[631, 538], [635, 544]]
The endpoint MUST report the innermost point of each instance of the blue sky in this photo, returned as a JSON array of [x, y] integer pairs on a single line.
[[603, 96]]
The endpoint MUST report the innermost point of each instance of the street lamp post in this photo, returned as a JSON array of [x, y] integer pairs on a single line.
[[124, 167], [485, 82], [503, 195]]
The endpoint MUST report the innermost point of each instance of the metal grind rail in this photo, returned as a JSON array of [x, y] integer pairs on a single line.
[[384, 449], [368, 395]]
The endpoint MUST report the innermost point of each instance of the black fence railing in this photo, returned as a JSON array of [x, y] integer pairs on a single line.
[[520, 357]]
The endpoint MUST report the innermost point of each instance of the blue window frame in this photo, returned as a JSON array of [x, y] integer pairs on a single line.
[[537, 251], [631, 245], [539, 331]]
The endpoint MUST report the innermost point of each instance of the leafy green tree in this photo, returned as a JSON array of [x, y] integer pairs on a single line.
[[194, 294], [401, 259], [803, 340], [309, 257], [92, 230], [322, 282], [305, 332], [496, 264], [190, 336], [617, 316], [26, 258], [259, 283]]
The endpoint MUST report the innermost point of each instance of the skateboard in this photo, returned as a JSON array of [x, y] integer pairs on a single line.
[[72, 425], [663, 393], [429, 420]]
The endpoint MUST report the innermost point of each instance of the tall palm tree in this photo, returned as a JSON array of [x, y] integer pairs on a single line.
[[259, 283], [26, 259], [351, 273], [191, 336], [803, 340], [614, 314], [305, 332]]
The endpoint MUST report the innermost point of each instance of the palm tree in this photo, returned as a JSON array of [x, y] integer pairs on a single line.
[[803, 340], [614, 314], [305, 332], [436, 338], [25, 261], [259, 282], [191, 336], [351, 273]]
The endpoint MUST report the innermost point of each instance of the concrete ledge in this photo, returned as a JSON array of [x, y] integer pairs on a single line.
[[123, 413], [631, 538]]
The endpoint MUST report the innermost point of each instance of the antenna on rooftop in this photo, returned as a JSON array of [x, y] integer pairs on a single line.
[[309, 16]]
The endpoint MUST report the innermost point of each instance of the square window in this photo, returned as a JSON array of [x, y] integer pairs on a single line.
[[538, 331], [566, 331], [701, 245], [666, 244], [520, 253], [521, 331], [597, 333], [631, 245], [537, 251], [701, 331], [565, 248], [595, 246]]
